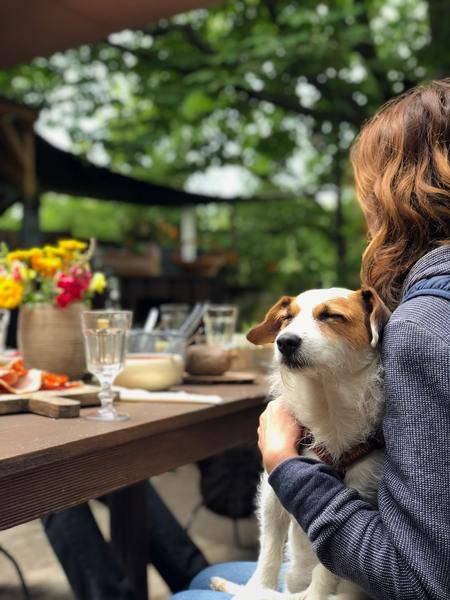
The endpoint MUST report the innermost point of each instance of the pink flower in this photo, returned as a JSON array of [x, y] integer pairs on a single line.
[[16, 273]]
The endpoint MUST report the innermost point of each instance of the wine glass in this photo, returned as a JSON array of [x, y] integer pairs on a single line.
[[105, 333]]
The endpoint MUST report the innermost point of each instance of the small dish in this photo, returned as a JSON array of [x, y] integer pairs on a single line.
[[154, 372]]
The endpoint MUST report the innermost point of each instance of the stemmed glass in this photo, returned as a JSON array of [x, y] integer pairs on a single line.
[[105, 333]]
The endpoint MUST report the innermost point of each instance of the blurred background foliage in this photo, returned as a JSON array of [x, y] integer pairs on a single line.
[[257, 100]]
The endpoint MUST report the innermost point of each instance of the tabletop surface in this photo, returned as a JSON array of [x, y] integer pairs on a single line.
[[28, 441]]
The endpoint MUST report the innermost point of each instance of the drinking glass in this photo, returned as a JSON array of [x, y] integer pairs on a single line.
[[172, 316], [105, 334], [220, 325], [4, 322]]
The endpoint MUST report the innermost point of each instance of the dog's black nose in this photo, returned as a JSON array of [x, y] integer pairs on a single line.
[[288, 343]]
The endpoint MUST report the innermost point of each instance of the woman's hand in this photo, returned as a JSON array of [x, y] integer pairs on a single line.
[[278, 433]]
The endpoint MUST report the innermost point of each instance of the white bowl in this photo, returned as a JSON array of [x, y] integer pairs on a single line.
[[152, 372]]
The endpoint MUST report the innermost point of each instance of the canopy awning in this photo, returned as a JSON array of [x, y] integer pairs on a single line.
[[63, 172], [29, 29]]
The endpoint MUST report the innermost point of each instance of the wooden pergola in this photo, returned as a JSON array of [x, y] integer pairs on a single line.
[[29, 164], [38, 28], [18, 179]]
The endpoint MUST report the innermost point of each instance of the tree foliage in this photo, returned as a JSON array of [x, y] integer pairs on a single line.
[[276, 90]]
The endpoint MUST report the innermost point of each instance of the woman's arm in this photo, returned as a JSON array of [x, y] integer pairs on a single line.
[[402, 549]]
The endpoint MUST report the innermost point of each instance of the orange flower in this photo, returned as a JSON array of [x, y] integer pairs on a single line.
[[46, 266]]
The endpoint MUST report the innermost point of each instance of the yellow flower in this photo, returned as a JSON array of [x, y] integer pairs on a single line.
[[11, 293], [46, 266], [54, 251], [98, 283], [72, 245], [33, 252], [17, 255]]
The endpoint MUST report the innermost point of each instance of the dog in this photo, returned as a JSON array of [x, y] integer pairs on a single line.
[[328, 373]]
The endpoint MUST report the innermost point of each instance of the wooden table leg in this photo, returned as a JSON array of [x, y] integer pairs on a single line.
[[129, 534]]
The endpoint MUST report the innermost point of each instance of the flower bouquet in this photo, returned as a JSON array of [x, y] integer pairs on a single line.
[[52, 286]]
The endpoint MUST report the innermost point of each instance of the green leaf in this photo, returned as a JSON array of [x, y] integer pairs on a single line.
[[196, 105]]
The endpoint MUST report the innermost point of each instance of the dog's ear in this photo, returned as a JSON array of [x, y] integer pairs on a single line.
[[267, 331], [377, 313]]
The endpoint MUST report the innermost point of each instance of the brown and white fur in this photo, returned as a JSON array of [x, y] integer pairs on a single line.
[[330, 378]]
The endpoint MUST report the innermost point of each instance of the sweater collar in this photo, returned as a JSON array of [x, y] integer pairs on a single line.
[[435, 262]]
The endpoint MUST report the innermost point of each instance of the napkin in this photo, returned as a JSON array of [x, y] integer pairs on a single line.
[[138, 395]]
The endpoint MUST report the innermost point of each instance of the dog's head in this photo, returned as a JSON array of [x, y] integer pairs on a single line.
[[333, 328]]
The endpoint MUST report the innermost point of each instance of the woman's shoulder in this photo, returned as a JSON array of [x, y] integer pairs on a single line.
[[415, 354], [427, 316]]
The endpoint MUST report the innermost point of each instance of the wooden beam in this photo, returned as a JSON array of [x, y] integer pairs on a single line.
[[30, 29]]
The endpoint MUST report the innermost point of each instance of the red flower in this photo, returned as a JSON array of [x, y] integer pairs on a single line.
[[64, 299], [73, 286]]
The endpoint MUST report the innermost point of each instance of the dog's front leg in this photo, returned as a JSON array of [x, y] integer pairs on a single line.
[[274, 525], [323, 585]]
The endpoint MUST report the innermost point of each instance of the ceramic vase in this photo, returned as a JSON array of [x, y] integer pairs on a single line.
[[50, 338]]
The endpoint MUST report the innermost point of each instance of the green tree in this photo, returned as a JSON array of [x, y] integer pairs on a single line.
[[275, 88]]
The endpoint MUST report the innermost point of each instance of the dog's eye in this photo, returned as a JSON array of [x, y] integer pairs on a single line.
[[325, 315], [286, 317]]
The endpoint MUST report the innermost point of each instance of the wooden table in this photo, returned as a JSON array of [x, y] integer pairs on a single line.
[[48, 465]]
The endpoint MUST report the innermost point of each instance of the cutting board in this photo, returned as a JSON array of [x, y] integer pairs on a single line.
[[58, 404], [227, 377]]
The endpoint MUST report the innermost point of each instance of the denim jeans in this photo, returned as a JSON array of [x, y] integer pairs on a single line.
[[92, 569], [199, 589]]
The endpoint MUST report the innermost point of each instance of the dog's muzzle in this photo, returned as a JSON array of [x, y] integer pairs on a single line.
[[289, 346]]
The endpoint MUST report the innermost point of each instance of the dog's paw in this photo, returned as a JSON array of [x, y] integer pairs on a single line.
[[313, 594], [243, 592], [218, 584], [309, 594]]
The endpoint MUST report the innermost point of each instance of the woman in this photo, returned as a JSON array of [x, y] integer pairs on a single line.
[[400, 549]]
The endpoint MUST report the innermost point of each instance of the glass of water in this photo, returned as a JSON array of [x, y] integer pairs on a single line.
[[220, 325], [172, 316], [105, 334]]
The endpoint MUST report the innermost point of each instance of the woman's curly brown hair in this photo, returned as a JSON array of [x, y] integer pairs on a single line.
[[402, 171]]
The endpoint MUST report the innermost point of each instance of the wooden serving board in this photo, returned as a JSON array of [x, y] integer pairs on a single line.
[[227, 377], [58, 404]]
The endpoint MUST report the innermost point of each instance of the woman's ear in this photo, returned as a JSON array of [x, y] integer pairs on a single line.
[[377, 313], [267, 331]]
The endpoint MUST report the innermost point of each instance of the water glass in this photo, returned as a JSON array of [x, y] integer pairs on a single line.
[[4, 322], [105, 337], [172, 316], [220, 325]]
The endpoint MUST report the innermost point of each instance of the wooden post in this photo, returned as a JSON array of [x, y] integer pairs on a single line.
[[18, 163], [31, 231], [30, 234], [188, 235]]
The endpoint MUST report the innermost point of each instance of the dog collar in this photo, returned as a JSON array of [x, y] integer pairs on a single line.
[[348, 458]]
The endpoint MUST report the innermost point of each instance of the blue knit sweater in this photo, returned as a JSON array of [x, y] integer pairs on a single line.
[[401, 549]]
